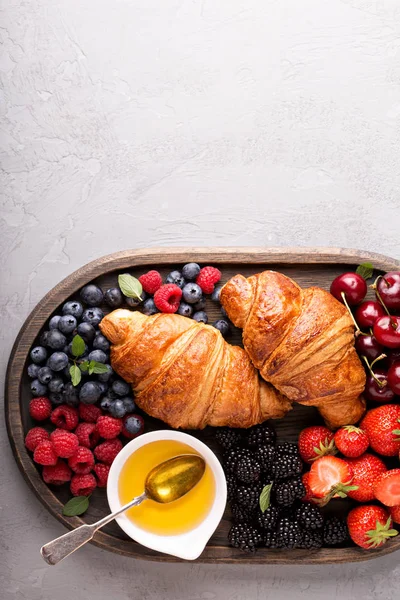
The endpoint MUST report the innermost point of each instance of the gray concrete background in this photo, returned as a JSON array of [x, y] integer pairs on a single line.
[[187, 122]]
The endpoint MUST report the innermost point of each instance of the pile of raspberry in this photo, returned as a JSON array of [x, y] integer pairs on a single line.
[[78, 445]]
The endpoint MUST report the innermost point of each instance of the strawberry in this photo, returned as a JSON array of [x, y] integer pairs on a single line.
[[330, 477], [395, 513], [367, 469], [309, 497], [382, 428], [351, 441], [370, 526], [315, 442], [387, 489]]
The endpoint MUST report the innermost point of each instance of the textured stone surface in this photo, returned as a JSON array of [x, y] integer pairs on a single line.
[[187, 122]]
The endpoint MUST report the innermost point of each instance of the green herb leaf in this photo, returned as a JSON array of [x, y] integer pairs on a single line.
[[78, 346], [98, 368], [130, 286], [265, 497], [365, 270], [75, 373], [84, 366], [76, 506]]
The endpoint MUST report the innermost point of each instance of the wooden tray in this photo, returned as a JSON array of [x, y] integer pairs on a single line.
[[308, 266]]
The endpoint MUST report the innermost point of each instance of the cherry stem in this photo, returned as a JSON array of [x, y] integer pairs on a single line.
[[375, 287], [358, 330], [380, 383]]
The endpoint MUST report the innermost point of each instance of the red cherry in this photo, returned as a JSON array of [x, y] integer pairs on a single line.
[[393, 356], [352, 284], [368, 312], [366, 345], [387, 331], [393, 378], [376, 393], [388, 287]]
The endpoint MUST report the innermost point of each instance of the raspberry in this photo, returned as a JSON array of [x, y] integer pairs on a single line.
[[102, 472], [108, 450], [57, 474], [108, 427], [40, 408], [34, 437], [167, 298], [65, 417], [89, 412], [151, 281], [87, 435], [207, 278], [65, 443], [44, 454], [83, 485], [82, 461]]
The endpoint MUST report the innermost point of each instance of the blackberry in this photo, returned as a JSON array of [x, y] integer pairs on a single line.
[[288, 533], [309, 516], [271, 539], [268, 519], [227, 437], [231, 484], [248, 496], [287, 465], [335, 532], [241, 514], [265, 456], [310, 540], [286, 492], [232, 456], [244, 536], [287, 448], [248, 470], [261, 435]]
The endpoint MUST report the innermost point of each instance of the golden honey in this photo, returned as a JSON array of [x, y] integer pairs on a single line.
[[174, 518]]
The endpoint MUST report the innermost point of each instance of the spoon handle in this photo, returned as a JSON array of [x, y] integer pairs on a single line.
[[56, 550]]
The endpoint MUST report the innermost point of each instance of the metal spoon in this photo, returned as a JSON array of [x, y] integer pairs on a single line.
[[167, 482]]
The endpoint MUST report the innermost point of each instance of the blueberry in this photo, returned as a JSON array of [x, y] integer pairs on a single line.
[[37, 388], [56, 340], [38, 354], [73, 308], [67, 324], [45, 375], [190, 271], [58, 361], [87, 332], [134, 302], [120, 387], [105, 403], [113, 297], [71, 394], [90, 392], [56, 385], [104, 377], [98, 356], [111, 394], [192, 293], [53, 323], [149, 308], [134, 425], [103, 387], [117, 409], [44, 338], [223, 312], [185, 309], [91, 295], [223, 326], [56, 398], [200, 316], [66, 374], [200, 305], [33, 371], [216, 294], [101, 343], [176, 278], [93, 316], [129, 404]]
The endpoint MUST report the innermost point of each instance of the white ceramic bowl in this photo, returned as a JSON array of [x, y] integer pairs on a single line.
[[186, 545]]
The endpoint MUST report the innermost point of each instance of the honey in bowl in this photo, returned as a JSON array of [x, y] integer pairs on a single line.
[[174, 518]]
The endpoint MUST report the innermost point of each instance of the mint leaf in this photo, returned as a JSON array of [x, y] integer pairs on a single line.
[[365, 270], [98, 368], [265, 497], [75, 373], [78, 346], [84, 366], [76, 506], [130, 286]]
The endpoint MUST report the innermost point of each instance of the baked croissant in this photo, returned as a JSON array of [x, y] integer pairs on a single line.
[[301, 340], [184, 373]]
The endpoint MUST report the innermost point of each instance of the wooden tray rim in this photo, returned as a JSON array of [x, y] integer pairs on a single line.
[[165, 255]]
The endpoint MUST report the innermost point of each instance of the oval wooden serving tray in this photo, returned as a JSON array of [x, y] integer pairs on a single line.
[[308, 266]]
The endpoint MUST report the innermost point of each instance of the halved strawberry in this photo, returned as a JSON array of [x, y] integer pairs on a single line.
[[395, 513], [387, 489], [330, 477]]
